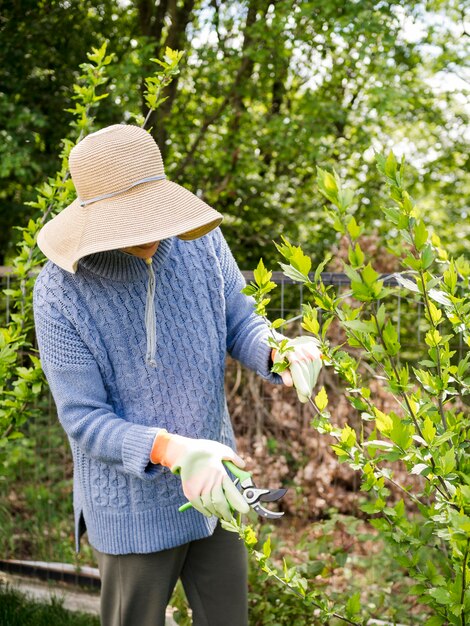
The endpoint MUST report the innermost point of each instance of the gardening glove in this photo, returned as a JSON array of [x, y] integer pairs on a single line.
[[304, 365], [205, 481]]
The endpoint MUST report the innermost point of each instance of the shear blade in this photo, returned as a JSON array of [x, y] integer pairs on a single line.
[[273, 495], [265, 513]]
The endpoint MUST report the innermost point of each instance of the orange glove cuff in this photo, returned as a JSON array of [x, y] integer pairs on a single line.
[[160, 444]]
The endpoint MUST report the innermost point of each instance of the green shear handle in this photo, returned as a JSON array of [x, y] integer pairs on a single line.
[[236, 471]]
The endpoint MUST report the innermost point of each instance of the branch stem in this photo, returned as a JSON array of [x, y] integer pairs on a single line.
[[464, 580], [408, 405], [438, 353]]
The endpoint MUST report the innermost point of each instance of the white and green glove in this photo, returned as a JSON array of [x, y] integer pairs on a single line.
[[204, 478], [304, 365]]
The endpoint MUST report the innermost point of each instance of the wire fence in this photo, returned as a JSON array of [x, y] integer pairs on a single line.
[[36, 520]]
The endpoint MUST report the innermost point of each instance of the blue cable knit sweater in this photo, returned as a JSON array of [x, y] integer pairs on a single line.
[[92, 340]]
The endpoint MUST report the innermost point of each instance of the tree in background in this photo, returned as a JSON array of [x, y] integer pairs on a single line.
[[268, 91], [43, 44]]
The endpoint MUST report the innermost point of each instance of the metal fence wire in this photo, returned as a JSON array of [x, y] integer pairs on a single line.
[[36, 520]]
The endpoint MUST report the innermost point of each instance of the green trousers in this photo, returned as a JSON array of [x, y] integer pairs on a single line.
[[136, 588]]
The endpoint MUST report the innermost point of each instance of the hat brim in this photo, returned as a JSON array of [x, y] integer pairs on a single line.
[[149, 212]]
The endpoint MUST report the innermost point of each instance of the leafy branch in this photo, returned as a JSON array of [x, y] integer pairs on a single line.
[[290, 578], [21, 385], [429, 433]]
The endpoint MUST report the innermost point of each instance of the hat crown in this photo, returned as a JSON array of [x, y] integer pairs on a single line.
[[112, 159]]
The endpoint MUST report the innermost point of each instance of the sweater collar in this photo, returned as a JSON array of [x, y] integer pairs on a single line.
[[117, 265]]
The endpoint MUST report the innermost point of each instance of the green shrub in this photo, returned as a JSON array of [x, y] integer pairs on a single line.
[[427, 432], [21, 378]]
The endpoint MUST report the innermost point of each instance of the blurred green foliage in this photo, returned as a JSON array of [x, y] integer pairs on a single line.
[[16, 609], [43, 45], [267, 92]]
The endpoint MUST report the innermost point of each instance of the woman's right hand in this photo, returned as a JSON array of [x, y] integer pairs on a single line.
[[204, 478]]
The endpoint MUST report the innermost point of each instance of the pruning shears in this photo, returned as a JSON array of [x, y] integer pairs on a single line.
[[251, 493]]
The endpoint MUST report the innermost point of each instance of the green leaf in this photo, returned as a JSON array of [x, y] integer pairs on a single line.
[[405, 282], [325, 326], [447, 461], [392, 214], [374, 507], [383, 422], [439, 296], [390, 166], [401, 433], [353, 605], [462, 265], [441, 595], [420, 235], [412, 262], [279, 367], [428, 430], [427, 256], [261, 274], [434, 313], [390, 337], [460, 521], [321, 399], [301, 262], [321, 267], [435, 620], [443, 438], [267, 547], [369, 275], [381, 315], [295, 256], [353, 228], [249, 290], [293, 273], [421, 468], [327, 185], [463, 365], [359, 254], [356, 256], [450, 277], [338, 225], [433, 338], [231, 526], [348, 436], [342, 454], [97, 55], [345, 198], [249, 536], [400, 508], [378, 444], [352, 274], [310, 319], [360, 325]]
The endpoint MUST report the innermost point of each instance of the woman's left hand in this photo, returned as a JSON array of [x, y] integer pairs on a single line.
[[304, 365]]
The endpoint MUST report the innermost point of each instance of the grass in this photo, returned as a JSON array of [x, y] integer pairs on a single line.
[[18, 610], [36, 512]]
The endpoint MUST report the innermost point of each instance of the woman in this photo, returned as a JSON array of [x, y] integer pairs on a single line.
[[134, 314]]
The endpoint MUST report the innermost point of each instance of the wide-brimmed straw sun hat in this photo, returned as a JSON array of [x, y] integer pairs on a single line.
[[124, 199]]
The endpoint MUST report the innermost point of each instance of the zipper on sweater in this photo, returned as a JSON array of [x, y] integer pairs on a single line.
[[150, 317]]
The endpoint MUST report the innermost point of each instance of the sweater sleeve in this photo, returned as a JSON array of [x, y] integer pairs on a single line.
[[247, 332], [80, 396]]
